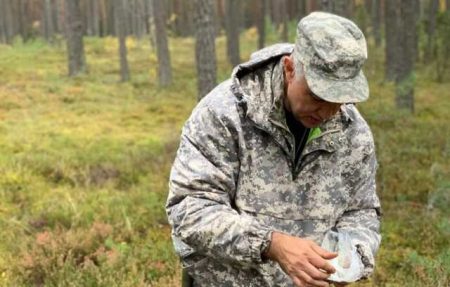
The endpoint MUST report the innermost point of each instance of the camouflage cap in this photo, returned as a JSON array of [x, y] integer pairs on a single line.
[[332, 50]]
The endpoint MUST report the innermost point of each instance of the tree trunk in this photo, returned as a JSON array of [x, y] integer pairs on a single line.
[[75, 46], [47, 20], [96, 17], [313, 5], [392, 38], [326, 5], [151, 24], [162, 49], [55, 22], [301, 12], [140, 14], [261, 26], [6, 22], [284, 21], [431, 28], [408, 36], [61, 16], [88, 18], [232, 28], [275, 13], [10, 27], [3, 38], [184, 25], [110, 17], [340, 8], [205, 46], [92, 18], [24, 26], [121, 36], [376, 20], [103, 18]]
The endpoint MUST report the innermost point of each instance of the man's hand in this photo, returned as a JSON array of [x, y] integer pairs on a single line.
[[303, 260]]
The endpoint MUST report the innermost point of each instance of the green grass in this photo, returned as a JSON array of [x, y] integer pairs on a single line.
[[84, 165]]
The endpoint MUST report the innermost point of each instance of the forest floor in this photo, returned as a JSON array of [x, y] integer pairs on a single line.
[[84, 165]]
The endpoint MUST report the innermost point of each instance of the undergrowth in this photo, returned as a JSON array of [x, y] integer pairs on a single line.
[[84, 165]]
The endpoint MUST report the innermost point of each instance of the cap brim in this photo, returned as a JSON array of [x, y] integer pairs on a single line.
[[352, 90]]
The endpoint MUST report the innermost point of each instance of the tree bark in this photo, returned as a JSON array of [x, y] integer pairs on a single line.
[[301, 11], [313, 5], [261, 26], [140, 14], [284, 21], [54, 12], [205, 47], [326, 5], [96, 17], [47, 20], [431, 28], [92, 18], [151, 24], [376, 20], [3, 38], [88, 18], [408, 37], [340, 7], [232, 29], [24, 26], [110, 17], [162, 48], [121, 36], [6, 22], [184, 25], [392, 38], [103, 18], [75, 46]]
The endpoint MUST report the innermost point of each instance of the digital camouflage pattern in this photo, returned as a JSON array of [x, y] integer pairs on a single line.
[[233, 181], [332, 50]]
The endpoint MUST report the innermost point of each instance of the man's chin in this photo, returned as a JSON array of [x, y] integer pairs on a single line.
[[310, 122]]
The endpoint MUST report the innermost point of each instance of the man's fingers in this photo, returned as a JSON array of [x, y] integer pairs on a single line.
[[315, 273], [322, 264], [312, 282], [297, 282], [323, 253]]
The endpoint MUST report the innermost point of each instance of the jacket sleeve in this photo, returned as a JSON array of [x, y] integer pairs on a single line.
[[361, 219], [201, 189]]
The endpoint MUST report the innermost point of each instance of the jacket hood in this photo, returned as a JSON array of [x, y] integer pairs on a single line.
[[258, 84], [262, 57]]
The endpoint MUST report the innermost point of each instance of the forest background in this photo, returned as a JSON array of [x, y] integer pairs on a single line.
[[93, 95]]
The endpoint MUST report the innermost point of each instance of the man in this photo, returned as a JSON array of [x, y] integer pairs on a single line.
[[273, 159]]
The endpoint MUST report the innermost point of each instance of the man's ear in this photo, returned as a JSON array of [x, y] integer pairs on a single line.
[[289, 69]]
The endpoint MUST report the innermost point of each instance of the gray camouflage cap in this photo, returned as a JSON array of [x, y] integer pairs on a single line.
[[332, 50]]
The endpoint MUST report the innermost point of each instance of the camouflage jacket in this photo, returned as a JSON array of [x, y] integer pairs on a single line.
[[233, 181]]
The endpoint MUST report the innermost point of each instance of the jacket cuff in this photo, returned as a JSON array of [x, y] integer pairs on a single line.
[[366, 259], [259, 241]]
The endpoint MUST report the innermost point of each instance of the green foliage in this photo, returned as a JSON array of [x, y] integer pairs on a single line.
[[84, 165]]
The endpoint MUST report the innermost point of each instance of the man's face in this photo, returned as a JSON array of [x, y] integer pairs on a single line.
[[307, 108]]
